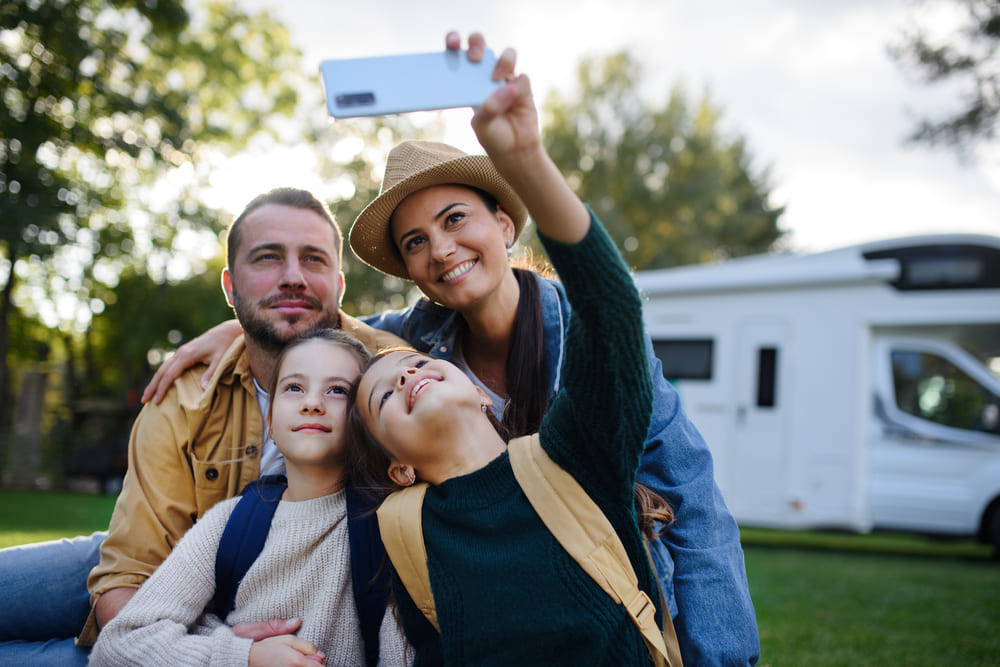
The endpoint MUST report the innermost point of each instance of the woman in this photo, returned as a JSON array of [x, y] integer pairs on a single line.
[[483, 315], [504, 591]]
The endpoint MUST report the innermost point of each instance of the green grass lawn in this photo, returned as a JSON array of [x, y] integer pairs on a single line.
[[36, 516], [817, 607], [821, 598]]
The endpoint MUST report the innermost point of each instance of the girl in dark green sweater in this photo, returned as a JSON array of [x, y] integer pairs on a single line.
[[505, 591]]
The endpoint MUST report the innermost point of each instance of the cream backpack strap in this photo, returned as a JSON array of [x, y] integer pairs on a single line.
[[582, 529], [669, 633], [401, 524]]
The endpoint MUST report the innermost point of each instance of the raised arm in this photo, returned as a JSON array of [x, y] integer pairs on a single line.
[[606, 364], [507, 127]]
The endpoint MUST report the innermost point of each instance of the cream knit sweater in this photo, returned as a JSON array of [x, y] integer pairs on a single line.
[[303, 571]]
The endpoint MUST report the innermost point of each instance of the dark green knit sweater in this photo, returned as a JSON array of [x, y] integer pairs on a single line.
[[506, 592]]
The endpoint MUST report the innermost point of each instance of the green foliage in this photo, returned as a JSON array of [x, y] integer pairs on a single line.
[[146, 319], [352, 157], [101, 101], [113, 112], [968, 58], [670, 187]]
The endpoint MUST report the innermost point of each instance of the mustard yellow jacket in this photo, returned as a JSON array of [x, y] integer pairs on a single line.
[[194, 449]]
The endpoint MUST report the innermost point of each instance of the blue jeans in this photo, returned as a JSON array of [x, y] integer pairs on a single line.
[[46, 602]]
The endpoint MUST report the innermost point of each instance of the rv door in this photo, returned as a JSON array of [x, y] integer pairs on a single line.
[[935, 441]]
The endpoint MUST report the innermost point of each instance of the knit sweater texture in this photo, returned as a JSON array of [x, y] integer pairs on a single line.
[[505, 591], [303, 571]]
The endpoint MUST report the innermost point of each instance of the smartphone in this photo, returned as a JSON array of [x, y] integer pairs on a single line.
[[402, 83]]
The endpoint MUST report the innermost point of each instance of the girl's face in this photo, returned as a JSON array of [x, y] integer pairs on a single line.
[[408, 400], [308, 414], [454, 247]]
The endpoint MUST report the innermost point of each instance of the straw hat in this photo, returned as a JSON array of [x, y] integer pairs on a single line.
[[413, 166]]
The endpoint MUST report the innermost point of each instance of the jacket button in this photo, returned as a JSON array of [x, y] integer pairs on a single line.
[[211, 474], [251, 450]]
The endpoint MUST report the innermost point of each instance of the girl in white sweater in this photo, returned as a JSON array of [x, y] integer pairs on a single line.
[[304, 568]]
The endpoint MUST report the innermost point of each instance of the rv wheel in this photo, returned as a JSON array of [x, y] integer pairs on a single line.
[[993, 531]]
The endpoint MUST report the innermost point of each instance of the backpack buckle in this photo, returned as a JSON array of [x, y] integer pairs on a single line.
[[641, 610]]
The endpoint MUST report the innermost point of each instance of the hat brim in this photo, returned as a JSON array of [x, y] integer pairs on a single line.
[[371, 237]]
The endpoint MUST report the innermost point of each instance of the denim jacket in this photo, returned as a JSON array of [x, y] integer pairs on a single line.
[[699, 560]]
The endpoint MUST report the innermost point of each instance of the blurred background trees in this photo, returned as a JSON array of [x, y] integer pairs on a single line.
[[667, 182], [969, 59], [108, 110], [115, 116]]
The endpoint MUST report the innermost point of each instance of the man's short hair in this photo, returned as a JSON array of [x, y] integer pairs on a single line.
[[291, 197]]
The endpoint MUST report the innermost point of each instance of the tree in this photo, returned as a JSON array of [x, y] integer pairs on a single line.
[[668, 185], [352, 157], [129, 337], [102, 99], [968, 58]]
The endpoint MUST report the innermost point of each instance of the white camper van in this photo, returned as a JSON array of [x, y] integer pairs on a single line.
[[857, 388]]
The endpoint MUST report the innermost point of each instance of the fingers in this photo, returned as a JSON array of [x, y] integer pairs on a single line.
[[285, 650], [265, 629], [165, 375], [212, 367], [506, 63], [308, 649], [516, 92], [477, 46], [206, 377]]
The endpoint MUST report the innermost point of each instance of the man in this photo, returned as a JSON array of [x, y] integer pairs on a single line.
[[197, 447]]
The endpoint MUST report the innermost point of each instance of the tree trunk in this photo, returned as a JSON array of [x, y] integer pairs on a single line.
[[6, 305]]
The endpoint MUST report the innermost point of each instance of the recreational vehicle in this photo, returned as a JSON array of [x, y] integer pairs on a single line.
[[857, 388]]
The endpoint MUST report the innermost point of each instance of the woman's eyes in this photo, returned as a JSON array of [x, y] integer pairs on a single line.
[[413, 242], [419, 363], [385, 397], [337, 389]]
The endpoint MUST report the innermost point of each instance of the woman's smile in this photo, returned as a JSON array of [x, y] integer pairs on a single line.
[[415, 391], [458, 271]]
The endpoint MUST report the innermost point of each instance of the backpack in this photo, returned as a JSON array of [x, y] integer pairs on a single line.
[[568, 512], [246, 531]]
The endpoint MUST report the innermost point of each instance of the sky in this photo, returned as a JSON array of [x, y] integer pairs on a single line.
[[808, 84]]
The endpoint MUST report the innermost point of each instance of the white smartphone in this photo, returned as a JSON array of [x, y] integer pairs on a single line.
[[414, 82]]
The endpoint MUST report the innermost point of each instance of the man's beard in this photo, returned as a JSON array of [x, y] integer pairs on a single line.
[[264, 333]]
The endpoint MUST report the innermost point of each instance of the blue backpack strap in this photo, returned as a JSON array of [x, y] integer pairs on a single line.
[[244, 537], [369, 569]]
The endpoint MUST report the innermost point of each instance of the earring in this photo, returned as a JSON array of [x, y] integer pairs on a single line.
[[411, 477], [485, 408], [510, 248]]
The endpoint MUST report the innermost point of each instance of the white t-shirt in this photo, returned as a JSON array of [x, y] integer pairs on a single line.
[[272, 462]]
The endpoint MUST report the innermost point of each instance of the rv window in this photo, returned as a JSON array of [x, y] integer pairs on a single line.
[[685, 359], [932, 388], [767, 364], [942, 267]]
